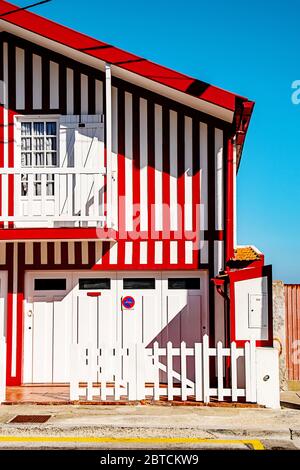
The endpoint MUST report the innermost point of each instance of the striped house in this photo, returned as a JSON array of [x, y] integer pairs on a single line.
[[117, 203]]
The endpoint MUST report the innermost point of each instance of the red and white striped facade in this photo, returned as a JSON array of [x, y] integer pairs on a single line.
[[172, 160]]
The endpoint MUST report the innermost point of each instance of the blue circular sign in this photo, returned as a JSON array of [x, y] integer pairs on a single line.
[[128, 302]]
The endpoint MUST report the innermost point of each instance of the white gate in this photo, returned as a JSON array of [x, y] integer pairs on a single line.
[[192, 379]]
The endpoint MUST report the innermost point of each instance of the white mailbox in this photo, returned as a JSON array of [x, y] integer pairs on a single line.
[[258, 311]]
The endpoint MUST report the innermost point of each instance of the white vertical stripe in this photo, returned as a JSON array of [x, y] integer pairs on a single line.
[[84, 94], [70, 91], [98, 252], [37, 81], [128, 163], [219, 179], [158, 252], [14, 312], [114, 92], [44, 252], [143, 252], [173, 252], [99, 97], [54, 85], [20, 78], [158, 168], [204, 252], [128, 252], [173, 171], [71, 252], [219, 256], [2, 253], [5, 131], [189, 252], [203, 166], [143, 165], [84, 252], [57, 252], [188, 186], [113, 253]]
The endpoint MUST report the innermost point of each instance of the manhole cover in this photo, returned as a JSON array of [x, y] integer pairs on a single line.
[[28, 419]]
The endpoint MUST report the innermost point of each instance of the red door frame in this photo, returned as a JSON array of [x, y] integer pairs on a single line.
[[242, 275]]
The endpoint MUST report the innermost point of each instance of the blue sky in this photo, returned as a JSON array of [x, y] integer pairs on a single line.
[[251, 48]]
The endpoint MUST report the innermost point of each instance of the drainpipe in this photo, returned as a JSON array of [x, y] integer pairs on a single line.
[[108, 89], [230, 201]]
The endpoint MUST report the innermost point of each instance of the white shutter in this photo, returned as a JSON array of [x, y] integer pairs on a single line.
[[82, 148]]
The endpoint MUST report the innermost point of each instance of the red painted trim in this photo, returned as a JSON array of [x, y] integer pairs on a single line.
[[94, 294], [230, 203], [58, 234], [80, 42], [245, 274]]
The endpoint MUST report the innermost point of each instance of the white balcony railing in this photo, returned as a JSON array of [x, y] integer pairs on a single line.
[[53, 197]]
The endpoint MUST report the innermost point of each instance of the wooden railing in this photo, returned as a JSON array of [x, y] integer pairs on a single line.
[[53, 197]]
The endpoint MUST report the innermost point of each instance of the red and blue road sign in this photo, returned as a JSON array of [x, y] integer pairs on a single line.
[[128, 302]]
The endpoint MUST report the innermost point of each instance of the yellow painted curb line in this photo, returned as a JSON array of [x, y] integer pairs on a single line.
[[255, 443]]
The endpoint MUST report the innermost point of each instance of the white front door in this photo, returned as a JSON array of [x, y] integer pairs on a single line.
[[47, 327], [3, 296]]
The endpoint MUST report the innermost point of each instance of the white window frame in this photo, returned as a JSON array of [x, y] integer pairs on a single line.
[[18, 144]]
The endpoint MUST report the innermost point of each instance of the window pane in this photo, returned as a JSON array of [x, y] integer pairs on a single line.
[[24, 185], [38, 128], [50, 284], [138, 283], [26, 143], [94, 284], [39, 159], [51, 128], [26, 159], [192, 283], [51, 143], [25, 128], [38, 143], [51, 159]]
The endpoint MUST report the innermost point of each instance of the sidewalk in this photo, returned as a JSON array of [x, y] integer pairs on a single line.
[[149, 421]]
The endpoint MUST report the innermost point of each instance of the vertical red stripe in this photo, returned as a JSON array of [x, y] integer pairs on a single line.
[[121, 161], [136, 164], [20, 299], [151, 181], [181, 186], [166, 184]]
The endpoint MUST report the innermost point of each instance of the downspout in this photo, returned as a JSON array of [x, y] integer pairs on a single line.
[[108, 89], [230, 200]]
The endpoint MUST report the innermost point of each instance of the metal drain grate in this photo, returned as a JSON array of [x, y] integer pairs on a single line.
[[29, 419]]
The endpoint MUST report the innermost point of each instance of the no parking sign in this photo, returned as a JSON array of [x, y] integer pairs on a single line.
[[128, 303]]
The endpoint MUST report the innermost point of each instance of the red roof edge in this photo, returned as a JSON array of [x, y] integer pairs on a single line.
[[243, 113], [130, 62]]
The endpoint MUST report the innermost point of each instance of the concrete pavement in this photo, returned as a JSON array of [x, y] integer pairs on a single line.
[[165, 426]]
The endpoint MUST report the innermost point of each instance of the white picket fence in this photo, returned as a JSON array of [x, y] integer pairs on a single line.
[[2, 370], [136, 372]]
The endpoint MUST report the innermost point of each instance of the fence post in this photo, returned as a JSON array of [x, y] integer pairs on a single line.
[[247, 372], [198, 372], [2, 370], [170, 370], [74, 368], [234, 395], [132, 373], [253, 369], [140, 370], [104, 358], [118, 368], [206, 379], [90, 370], [183, 357], [156, 371], [220, 371]]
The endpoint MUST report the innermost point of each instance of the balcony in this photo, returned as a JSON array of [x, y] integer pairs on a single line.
[[52, 197]]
